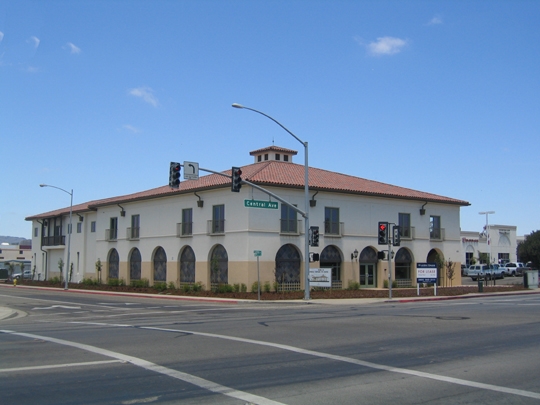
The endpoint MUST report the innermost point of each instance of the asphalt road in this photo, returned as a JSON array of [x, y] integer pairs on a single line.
[[72, 348]]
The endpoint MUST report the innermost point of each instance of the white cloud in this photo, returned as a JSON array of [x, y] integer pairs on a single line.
[[72, 48], [34, 41], [146, 93], [131, 128], [1, 36], [435, 21], [386, 46]]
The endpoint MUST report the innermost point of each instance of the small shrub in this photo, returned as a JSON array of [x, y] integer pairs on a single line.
[[115, 282], [353, 285], [267, 287], [236, 287], [275, 286], [186, 288], [171, 285], [142, 283], [89, 281], [255, 287], [225, 288], [198, 286], [243, 287], [55, 280], [160, 286]]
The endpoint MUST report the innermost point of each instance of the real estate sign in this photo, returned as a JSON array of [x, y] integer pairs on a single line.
[[426, 273], [320, 277]]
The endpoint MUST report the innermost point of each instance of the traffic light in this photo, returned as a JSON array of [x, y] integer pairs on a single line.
[[382, 232], [236, 179], [174, 175], [314, 237], [314, 257], [396, 237]]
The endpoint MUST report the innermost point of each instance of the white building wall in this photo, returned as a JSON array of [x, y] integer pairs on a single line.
[[249, 229]]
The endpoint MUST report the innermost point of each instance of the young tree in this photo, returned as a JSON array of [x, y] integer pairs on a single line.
[[61, 268], [450, 271], [529, 249]]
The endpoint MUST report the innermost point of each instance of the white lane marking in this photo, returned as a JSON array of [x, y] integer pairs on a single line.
[[88, 363], [399, 370], [56, 306], [140, 401], [200, 382]]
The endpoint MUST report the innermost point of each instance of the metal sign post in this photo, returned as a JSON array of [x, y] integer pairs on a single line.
[[258, 254]]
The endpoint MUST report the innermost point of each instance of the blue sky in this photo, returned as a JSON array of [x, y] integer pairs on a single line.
[[438, 96]]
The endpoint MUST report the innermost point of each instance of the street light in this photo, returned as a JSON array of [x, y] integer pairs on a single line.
[[69, 229], [487, 213], [306, 195]]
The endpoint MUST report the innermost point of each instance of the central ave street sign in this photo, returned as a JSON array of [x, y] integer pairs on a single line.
[[261, 204]]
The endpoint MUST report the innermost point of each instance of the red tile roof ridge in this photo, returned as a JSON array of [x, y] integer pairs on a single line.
[[270, 173]]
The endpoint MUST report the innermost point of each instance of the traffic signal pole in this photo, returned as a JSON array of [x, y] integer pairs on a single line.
[[389, 268]]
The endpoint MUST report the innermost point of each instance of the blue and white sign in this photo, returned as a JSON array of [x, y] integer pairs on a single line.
[[426, 273]]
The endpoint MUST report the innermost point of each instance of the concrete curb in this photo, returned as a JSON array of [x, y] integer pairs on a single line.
[[329, 301]]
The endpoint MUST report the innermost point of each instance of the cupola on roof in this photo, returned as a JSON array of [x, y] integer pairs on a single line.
[[273, 153]]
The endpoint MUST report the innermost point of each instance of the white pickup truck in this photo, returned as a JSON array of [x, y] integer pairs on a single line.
[[514, 269], [487, 271]]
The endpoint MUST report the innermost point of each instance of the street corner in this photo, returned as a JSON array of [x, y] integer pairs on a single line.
[[8, 313]]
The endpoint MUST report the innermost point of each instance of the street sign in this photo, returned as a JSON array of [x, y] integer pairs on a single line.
[[261, 204], [257, 253], [191, 171]]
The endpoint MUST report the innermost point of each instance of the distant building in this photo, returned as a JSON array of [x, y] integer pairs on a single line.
[[19, 255], [203, 232], [498, 244]]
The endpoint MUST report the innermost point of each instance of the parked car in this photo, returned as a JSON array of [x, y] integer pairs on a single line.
[[486, 271], [27, 275]]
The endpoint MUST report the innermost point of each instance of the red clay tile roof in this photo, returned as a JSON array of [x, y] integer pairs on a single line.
[[274, 149], [270, 173]]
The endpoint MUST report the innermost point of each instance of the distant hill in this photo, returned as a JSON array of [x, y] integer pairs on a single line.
[[14, 240]]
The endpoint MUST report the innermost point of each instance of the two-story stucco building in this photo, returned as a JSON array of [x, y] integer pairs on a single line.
[[495, 244], [203, 232]]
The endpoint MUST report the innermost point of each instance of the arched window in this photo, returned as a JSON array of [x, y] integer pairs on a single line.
[[219, 266], [187, 265], [288, 267], [135, 265], [114, 262], [160, 265], [403, 264], [331, 258]]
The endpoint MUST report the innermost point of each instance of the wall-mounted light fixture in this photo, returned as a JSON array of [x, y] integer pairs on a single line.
[[123, 212], [422, 210], [200, 203], [80, 218], [354, 255], [313, 202]]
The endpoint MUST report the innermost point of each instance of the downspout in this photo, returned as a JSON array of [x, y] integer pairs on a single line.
[[46, 252]]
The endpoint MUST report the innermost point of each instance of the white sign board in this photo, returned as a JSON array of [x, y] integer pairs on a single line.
[[426, 273], [191, 171], [320, 277]]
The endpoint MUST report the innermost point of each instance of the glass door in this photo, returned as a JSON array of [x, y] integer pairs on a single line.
[[367, 275]]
